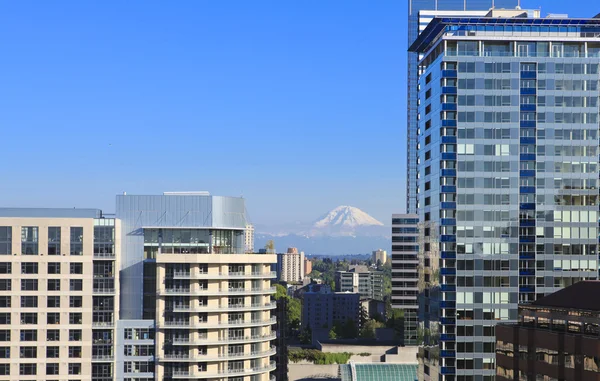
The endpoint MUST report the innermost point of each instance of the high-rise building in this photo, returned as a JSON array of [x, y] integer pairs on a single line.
[[368, 283], [290, 265], [508, 173], [307, 266], [184, 266], [249, 238], [405, 275], [420, 12], [59, 300], [555, 338], [379, 257], [322, 308]]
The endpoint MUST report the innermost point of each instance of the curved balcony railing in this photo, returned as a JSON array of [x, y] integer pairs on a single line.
[[221, 291], [208, 308], [207, 341], [237, 372], [228, 324], [232, 275], [220, 357]]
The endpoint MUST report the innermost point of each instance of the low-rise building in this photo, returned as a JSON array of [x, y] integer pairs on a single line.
[[322, 308]]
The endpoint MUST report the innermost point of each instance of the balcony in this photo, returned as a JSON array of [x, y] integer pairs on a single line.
[[101, 358], [103, 324], [104, 256], [206, 341], [104, 291], [221, 291], [234, 275], [234, 324], [242, 307], [219, 357], [233, 372]]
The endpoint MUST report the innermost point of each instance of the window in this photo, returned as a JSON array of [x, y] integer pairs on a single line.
[[75, 318], [76, 268], [4, 369], [29, 284], [54, 241], [75, 284], [52, 369], [52, 352], [75, 335], [53, 284], [76, 241], [29, 268], [53, 267], [5, 284], [28, 352], [53, 302], [29, 240], [5, 240], [29, 335], [53, 318], [5, 335], [4, 352], [4, 317], [29, 301], [5, 267], [74, 352], [74, 368], [27, 369], [53, 335], [75, 301], [5, 302]]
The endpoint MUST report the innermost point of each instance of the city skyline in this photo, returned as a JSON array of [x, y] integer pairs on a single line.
[[113, 90]]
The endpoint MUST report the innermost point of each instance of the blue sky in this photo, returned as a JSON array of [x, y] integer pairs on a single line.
[[297, 105]]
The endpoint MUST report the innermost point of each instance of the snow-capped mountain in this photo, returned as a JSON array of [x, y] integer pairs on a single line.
[[347, 217]]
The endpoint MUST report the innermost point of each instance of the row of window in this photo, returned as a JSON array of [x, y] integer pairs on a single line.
[[52, 284], [32, 301], [33, 268], [32, 335], [32, 369], [31, 352], [103, 240], [541, 67], [32, 318]]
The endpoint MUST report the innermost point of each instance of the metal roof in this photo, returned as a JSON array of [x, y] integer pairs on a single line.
[[50, 213]]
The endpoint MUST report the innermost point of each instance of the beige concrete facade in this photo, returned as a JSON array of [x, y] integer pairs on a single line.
[[290, 266], [214, 316], [47, 330]]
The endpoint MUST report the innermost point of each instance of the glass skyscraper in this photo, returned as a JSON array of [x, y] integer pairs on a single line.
[[420, 13], [507, 174]]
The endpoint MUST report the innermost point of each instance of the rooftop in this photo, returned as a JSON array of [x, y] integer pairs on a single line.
[[579, 296], [50, 213], [378, 372]]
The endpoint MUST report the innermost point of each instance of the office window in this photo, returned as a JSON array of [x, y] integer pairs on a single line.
[[53, 318], [76, 268], [53, 267], [75, 301], [29, 284], [6, 240], [27, 369], [29, 335], [76, 241], [5, 302], [28, 352], [75, 284], [29, 240], [74, 368], [29, 268], [54, 241], [75, 318], [52, 369], [53, 284], [5, 268], [53, 335], [75, 335], [53, 302], [52, 352], [29, 301]]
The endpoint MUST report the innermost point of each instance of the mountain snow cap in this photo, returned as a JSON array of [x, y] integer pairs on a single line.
[[346, 216]]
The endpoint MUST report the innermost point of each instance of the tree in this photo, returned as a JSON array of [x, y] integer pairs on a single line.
[[294, 312], [349, 329], [280, 292], [306, 336], [332, 334], [270, 246], [368, 330]]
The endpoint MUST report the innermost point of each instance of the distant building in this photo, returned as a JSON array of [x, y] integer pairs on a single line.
[[307, 266], [290, 265], [369, 284], [372, 307], [249, 238], [379, 257], [405, 276], [556, 337], [320, 309]]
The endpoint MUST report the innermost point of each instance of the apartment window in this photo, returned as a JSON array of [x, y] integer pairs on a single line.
[[75, 318], [76, 268], [4, 369], [74, 335], [53, 301], [4, 317], [29, 268], [53, 267], [29, 240], [53, 318], [75, 352], [52, 369], [53, 284], [76, 241], [5, 267], [4, 352], [5, 240], [29, 301], [5, 302], [29, 335], [28, 352], [75, 284], [52, 352], [75, 301], [52, 335], [54, 241], [27, 369], [5, 335], [29, 284], [74, 368]]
